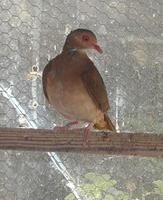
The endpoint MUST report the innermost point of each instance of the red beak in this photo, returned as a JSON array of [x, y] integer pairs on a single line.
[[97, 48]]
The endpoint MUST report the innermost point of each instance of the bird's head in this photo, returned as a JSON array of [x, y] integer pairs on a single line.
[[81, 39]]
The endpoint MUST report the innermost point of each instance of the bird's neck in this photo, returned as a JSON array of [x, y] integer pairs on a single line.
[[72, 48], [74, 51]]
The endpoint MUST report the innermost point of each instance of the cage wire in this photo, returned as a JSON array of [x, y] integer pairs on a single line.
[[131, 35]]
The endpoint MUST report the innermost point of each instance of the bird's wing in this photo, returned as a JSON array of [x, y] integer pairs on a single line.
[[45, 74], [95, 86]]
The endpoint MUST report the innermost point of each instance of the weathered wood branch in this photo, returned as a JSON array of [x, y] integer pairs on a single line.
[[137, 144]]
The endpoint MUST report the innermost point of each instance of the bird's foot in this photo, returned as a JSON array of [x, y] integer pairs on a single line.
[[86, 133]]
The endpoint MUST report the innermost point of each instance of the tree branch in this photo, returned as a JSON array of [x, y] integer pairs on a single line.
[[136, 144]]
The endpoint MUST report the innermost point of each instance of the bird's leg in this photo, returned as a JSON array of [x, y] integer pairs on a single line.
[[86, 132]]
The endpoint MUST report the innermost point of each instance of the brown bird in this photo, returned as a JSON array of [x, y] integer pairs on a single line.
[[73, 85]]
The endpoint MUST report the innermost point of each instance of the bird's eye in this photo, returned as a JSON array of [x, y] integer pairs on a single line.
[[85, 38]]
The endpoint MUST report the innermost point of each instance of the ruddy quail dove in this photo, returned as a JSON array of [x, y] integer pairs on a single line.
[[73, 85]]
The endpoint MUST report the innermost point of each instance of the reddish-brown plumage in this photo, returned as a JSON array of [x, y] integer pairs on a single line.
[[73, 85]]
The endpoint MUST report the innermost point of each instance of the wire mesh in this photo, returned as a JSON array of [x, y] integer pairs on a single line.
[[131, 34]]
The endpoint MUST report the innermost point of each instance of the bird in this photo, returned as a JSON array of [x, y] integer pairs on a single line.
[[73, 85]]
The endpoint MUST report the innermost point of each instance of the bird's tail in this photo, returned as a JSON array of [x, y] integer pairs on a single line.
[[105, 124]]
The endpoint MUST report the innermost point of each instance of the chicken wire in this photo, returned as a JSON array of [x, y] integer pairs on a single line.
[[131, 35]]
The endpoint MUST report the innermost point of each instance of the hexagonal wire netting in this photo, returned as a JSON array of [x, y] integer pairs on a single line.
[[131, 34]]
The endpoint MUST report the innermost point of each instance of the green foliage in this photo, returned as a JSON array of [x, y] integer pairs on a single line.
[[122, 196], [70, 197], [102, 182], [109, 197], [97, 184], [103, 187], [158, 187], [100, 187]]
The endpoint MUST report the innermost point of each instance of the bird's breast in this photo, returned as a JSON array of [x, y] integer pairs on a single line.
[[68, 95]]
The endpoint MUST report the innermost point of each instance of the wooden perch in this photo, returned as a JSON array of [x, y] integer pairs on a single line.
[[136, 144]]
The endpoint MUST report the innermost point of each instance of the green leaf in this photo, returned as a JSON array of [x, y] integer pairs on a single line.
[[70, 197], [88, 187], [109, 197], [90, 190], [158, 187], [122, 195], [106, 177], [103, 182], [91, 177]]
